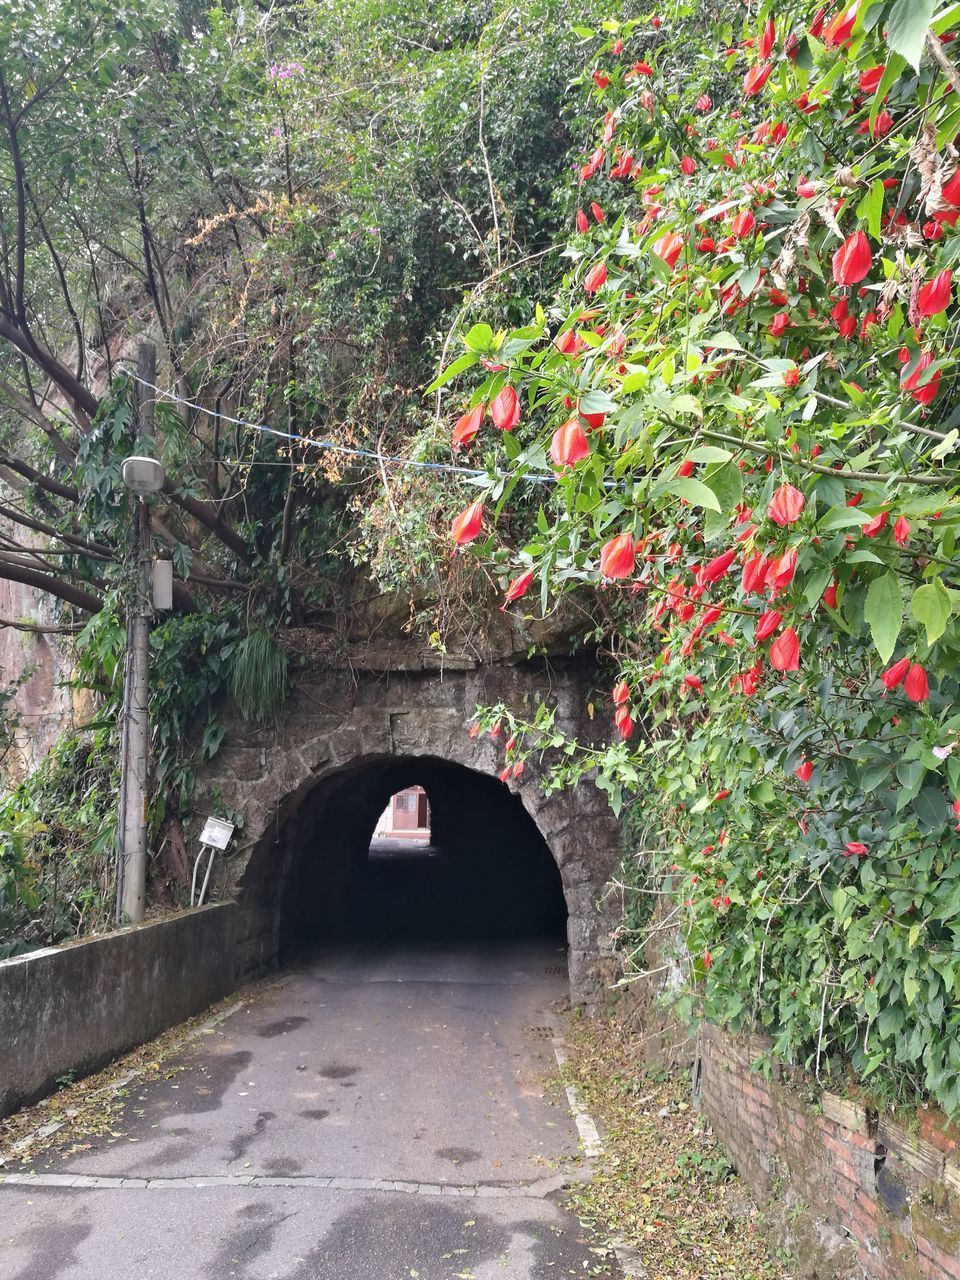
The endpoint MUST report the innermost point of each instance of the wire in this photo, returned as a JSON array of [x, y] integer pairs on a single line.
[[536, 476]]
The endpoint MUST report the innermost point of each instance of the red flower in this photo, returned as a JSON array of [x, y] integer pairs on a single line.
[[767, 37], [669, 247], [468, 524], [785, 652], [468, 425], [830, 595], [786, 505], [686, 467], [804, 770], [704, 102], [951, 190], [916, 685], [693, 682], [873, 527], [780, 572], [595, 278], [779, 323], [791, 377], [582, 223], [624, 723], [593, 164], [754, 574], [767, 625], [593, 420], [721, 795], [505, 409], [806, 189], [569, 444], [706, 245], [617, 557], [517, 588], [756, 78], [854, 847], [597, 212], [688, 165], [707, 959], [717, 567], [621, 693], [911, 382], [600, 80], [882, 125], [870, 79], [901, 531], [838, 31], [743, 224], [894, 675], [642, 69], [568, 343], [934, 296], [852, 260]]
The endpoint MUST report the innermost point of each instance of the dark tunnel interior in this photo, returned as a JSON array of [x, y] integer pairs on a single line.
[[486, 874]]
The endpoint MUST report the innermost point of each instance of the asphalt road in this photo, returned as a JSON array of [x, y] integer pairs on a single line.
[[374, 1114]]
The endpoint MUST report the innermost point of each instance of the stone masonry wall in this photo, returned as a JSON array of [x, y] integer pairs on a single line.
[[373, 711], [853, 1195]]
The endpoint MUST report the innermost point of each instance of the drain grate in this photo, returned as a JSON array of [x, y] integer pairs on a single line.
[[541, 1033], [555, 969]]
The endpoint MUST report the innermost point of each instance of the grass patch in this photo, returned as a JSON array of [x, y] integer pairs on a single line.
[[663, 1185]]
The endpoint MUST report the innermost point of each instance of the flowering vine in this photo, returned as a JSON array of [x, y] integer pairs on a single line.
[[744, 390]]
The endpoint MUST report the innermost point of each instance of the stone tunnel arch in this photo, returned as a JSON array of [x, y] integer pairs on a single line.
[[491, 873], [379, 724]]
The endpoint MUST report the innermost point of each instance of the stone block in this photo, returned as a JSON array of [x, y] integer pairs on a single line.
[[849, 1115]]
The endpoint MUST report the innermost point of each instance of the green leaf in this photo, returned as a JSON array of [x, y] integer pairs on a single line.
[[911, 986], [894, 69], [930, 605], [480, 338], [709, 453], [907, 26], [844, 518], [726, 481], [724, 341], [695, 493], [452, 370], [870, 208], [931, 809], [883, 613], [597, 402], [818, 581]]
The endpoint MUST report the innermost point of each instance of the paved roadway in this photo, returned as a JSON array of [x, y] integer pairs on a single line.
[[376, 1113]]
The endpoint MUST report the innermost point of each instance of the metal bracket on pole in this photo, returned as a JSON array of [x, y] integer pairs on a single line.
[[216, 835]]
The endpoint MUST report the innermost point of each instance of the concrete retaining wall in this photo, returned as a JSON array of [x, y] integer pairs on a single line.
[[73, 1008]]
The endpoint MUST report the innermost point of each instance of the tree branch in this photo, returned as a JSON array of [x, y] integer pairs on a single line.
[[65, 591]]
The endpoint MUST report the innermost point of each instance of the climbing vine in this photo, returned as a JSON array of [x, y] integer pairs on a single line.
[[743, 388]]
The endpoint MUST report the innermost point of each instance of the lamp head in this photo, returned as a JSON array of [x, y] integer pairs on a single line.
[[143, 475]]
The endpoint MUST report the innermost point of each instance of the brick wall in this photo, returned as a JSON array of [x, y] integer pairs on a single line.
[[851, 1194]]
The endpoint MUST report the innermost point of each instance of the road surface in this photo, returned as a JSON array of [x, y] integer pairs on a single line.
[[376, 1113]]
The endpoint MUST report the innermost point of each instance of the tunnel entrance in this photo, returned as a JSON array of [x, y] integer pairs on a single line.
[[361, 870]]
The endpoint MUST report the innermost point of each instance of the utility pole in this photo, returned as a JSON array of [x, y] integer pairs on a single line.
[[142, 475]]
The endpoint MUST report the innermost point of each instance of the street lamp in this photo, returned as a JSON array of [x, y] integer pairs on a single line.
[[142, 476]]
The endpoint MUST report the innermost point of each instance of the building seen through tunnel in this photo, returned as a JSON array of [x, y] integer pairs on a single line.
[[408, 849]]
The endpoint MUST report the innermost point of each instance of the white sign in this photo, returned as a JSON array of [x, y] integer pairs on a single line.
[[216, 833]]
